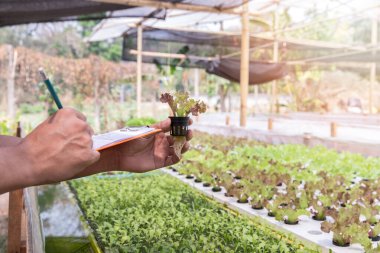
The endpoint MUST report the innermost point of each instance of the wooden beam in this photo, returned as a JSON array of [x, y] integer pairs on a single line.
[[244, 65], [139, 69], [170, 55], [14, 221], [173, 5], [15, 211]]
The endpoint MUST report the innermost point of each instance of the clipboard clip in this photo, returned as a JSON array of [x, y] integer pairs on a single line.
[[133, 129]]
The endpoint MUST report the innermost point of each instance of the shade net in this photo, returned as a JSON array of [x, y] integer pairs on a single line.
[[205, 46], [34, 11], [259, 72]]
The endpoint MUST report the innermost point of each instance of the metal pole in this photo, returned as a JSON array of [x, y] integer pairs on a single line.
[[373, 65], [244, 65], [139, 69]]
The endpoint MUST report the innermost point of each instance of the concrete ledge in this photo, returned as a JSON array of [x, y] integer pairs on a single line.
[[276, 138]]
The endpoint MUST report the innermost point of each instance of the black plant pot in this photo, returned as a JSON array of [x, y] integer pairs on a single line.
[[242, 201], [174, 170], [238, 177], [375, 238], [198, 180], [189, 177], [314, 217], [228, 195], [291, 223], [259, 208], [271, 214], [179, 126], [216, 189], [347, 244], [206, 184]]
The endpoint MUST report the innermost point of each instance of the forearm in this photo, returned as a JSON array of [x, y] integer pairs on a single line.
[[7, 141], [108, 162], [14, 171]]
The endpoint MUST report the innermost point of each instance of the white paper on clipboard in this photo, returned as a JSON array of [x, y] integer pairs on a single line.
[[110, 139]]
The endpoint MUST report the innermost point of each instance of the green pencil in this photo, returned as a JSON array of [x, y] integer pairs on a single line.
[[51, 89]]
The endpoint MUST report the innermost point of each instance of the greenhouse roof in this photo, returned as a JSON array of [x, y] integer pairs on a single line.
[[17, 12]]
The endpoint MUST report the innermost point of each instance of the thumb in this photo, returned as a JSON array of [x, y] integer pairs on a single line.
[[93, 157]]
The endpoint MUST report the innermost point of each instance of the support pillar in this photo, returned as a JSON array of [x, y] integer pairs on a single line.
[[196, 82], [244, 65], [373, 65], [274, 98], [11, 104], [139, 70]]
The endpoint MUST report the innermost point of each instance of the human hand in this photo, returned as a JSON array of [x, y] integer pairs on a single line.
[[59, 148], [153, 152]]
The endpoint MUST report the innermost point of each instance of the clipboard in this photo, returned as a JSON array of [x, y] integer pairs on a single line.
[[114, 138]]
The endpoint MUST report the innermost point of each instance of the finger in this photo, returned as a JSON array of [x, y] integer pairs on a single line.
[[185, 148], [170, 140], [90, 131], [171, 160], [80, 115], [163, 125], [189, 135], [70, 111], [93, 157]]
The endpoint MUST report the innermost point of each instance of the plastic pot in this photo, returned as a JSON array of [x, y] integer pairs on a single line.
[[189, 177], [257, 207], [179, 126], [198, 180], [206, 184], [317, 218], [216, 189], [242, 201], [291, 223]]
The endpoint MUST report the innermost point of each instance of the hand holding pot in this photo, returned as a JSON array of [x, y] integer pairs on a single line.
[[146, 154]]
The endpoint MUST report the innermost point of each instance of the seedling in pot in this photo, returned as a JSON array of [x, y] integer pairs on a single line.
[[290, 215], [348, 228], [243, 198], [182, 106], [374, 233]]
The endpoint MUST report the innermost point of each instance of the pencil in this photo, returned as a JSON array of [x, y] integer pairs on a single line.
[[51, 89]]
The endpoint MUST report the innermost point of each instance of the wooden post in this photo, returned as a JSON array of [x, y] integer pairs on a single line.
[[333, 129], [228, 120], [97, 100], [306, 139], [270, 124], [15, 216], [244, 65], [256, 98], [373, 65], [273, 105], [12, 62], [139, 69], [196, 83]]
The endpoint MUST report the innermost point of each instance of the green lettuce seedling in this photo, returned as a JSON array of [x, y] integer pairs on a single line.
[[182, 106]]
